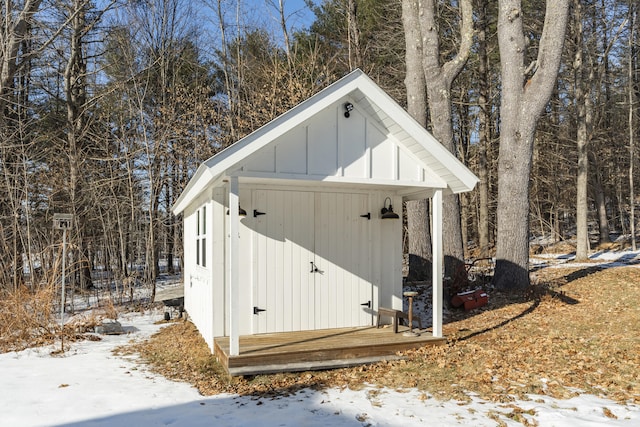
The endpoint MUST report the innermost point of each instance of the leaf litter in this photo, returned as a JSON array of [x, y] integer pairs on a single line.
[[575, 331]]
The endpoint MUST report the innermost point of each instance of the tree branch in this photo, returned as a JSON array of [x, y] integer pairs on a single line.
[[539, 88], [452, 68]]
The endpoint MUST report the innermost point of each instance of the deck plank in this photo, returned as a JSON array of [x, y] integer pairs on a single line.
[[320, 349]]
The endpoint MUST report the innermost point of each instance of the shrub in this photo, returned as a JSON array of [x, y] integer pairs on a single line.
[[26, 317]]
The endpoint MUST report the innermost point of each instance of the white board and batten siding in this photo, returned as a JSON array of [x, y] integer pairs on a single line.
[[312, 261], [198, 289], [332, 148]]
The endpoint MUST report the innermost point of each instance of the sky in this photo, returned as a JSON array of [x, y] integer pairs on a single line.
[[89, 386], [297, 14]]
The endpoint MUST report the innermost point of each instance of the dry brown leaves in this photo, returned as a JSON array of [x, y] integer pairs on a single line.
[[577, 331], [26, 318]]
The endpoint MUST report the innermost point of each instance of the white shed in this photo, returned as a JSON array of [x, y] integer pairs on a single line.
[[283, 230]]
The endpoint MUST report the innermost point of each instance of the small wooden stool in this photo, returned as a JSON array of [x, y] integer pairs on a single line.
[[396, 315]]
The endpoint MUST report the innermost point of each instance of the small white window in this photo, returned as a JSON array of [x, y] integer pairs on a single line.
[[203, 253], [204, 220], [201, 232]]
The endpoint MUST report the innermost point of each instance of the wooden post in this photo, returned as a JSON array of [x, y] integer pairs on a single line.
[[410, 295], [64, 279], [234, 269], [438, 261], [63, 222]]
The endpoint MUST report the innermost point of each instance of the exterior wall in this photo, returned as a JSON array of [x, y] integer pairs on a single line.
[[198, 291], [205, 288], [332, 146], [383, 250]]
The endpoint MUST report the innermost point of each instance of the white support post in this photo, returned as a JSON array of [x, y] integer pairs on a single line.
[[234, 269], [438, 261]]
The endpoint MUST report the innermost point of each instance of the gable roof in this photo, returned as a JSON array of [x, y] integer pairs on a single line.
[[355, 87]]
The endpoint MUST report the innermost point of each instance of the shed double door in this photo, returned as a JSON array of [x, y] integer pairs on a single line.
[[311, 255]]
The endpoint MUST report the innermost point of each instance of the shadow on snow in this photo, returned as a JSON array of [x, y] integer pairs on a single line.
[[233, 410]]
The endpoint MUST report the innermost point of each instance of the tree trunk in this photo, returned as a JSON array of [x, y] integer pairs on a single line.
[[631, 83], [582, 231], [601, 206], [439, 79], [355, 51], [75, 91], [171, 223], [622, 212], [522, 103], [422, 44], [484, 118], [418, 229], [420, 256]]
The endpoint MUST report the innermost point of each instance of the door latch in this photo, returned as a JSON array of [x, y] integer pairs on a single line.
[[366, 304], [257, 310]]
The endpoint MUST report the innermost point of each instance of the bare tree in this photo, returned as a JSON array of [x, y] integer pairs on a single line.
[[631, 57], [353, 30], [17, 21], [19, 47], [419, 234], [526, 90], [583, 122], [484, 116], [424, 42], [75, 83]]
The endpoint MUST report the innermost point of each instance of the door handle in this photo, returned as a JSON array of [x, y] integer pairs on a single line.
[[314, 268]]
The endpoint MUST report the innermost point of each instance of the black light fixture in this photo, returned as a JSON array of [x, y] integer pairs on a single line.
[[387, 212], [348, 107], [241, 212]]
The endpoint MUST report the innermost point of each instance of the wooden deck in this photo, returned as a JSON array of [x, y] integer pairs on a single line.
[[314, 350], [169, 293]]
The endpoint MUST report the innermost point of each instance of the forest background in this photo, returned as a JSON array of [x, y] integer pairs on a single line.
[[108, 107]]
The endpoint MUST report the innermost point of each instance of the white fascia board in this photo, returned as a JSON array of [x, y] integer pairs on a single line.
[[198, 183]]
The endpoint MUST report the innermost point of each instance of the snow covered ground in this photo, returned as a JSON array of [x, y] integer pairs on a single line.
[[89, 386]]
